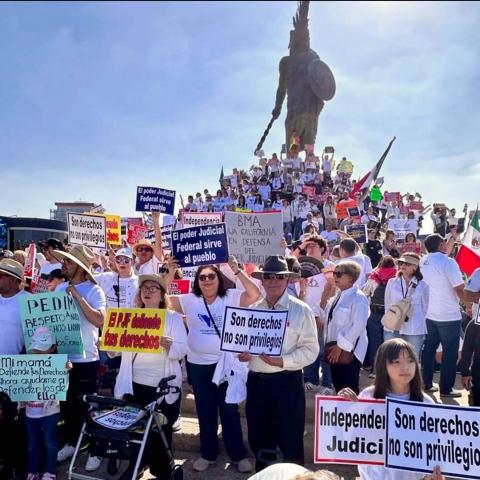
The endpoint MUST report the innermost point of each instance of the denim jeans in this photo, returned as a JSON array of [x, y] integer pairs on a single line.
[[310, 372], [416, 341], [210, 401], [375, 336], [447, 334], [42, 433], [287, 228], [297, 228]]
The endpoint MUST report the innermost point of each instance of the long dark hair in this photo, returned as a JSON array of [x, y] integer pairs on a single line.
[[388, 352], [222, 291]]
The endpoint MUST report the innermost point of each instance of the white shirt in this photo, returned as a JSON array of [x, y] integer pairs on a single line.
[[300, 345], [127, 289], [329, 236], [287, 214], [48, 267], [349, 321], [312, 222], [203, 340], [442, 274], [416, 325], [95, 297], [149, 267], [11, 338], [365, 265], [473, 285]]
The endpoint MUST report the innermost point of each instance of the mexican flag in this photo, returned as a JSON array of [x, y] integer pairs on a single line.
[[468, 257]]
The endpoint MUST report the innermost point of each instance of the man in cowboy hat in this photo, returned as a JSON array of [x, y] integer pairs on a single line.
[[149, 256], [91, 303], [11, 275], [275, 396]]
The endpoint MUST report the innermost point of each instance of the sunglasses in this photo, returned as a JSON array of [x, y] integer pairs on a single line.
[[274, 276], [144, 249], [338, 274], [150, 289], [208, 276], [122, 260]]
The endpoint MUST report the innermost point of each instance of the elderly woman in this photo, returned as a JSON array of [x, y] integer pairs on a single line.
[[409, 283], [140, 373], [204, 310], [345, 319]]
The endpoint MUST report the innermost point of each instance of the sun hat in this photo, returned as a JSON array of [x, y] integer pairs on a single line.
[[410, 259], [43, 339], [143, 242], [152, 277], [81, 255], [11, 267], [275, 264]]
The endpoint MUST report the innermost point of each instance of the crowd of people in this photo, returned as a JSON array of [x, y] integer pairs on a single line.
[[383, 305]]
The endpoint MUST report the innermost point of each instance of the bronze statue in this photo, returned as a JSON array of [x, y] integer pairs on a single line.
[[306, 80]]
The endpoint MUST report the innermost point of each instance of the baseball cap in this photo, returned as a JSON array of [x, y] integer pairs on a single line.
[[124, 252]]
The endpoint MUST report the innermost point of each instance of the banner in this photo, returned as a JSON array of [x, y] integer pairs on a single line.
[[29, 269], [353, 212], [402, 227], [195, 219], [34, 377], [254, 331], [117, 419], [416, 206], [152, 199], [135, 233], [114, 229], [179, 287], [308, 190], [89, 230], [422, 435], [197, 246], [133, 330], [392, 196], [58, 312], [357, 232], [349, 432], [254, 237]]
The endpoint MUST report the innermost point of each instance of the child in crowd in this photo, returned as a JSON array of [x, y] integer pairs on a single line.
[[397, 375], [42, 418]]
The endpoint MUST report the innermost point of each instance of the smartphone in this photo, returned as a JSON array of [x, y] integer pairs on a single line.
[[329, 150]]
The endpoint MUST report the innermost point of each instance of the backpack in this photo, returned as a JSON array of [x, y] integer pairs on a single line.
[[398, 313]]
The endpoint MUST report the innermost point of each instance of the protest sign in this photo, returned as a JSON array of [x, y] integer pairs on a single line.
[[254, 331], [195, 219], [29, 268], [308, 190], [58, 312], [3, 234], [420, 436], [114, 229], [349, 432], [353, 212], [152, 199], [179, 287], [133, 330], [254, 237], [117, 419], [402, 227], [416, 206], [343, 206], [373, 225], [89, 230], [392, 196], [197, 246], [34, 377], [135, 233], [357, 232]]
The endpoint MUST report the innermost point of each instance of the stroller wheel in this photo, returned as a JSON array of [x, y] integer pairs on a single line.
[[177, 473], [113, 466]]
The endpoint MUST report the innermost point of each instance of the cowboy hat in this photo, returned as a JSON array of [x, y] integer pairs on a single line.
[[11, 267], [81, 255], [142, 243], [275, 264]]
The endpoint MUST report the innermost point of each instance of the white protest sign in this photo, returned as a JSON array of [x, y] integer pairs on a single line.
[[349, 432], [422, 435], [252, 237], [118, 419], [89, 230], [254, 331], [402, 227], [196, 219]]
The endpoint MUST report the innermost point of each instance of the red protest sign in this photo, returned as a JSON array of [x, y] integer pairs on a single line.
[[29, 269], [392, 196], [135, 233], [416, 206], [179, 287], [309, 191]]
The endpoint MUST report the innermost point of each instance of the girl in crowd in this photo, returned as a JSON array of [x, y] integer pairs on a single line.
[[258, 205], [397, 375], [411, 245], [140, 373], [241, 202], [390, 244], [204, 311], [409, 284]]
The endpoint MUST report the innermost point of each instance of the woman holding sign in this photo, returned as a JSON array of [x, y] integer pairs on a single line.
[[140, 373], [397, 375], [204, 309]]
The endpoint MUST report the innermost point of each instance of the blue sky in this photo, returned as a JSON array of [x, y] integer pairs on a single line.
[[97, 98]]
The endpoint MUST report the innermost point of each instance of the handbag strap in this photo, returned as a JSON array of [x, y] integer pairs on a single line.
[[211, 318]]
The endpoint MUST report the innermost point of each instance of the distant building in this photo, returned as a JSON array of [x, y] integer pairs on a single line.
[[60, 213]]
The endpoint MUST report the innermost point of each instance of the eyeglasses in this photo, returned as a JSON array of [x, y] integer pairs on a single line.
[[150, 289], [274, 276], [122, 260], [208, 276], [144, 249], [338, 274]]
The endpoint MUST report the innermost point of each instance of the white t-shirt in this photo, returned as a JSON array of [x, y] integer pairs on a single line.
[[442, 274], [95, 297], [264, 191], [329, 236], [127, 289], [203, 341], [473, 285], [48, 267], [11, 338], [149, 267]]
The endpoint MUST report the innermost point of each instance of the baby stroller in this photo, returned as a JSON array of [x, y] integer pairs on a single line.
[[119, 430]]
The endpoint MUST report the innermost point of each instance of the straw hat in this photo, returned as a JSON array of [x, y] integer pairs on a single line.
[[11, 267], [142, 243], [81, 255]]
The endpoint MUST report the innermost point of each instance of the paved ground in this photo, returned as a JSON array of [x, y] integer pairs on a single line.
[[187, 445]]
